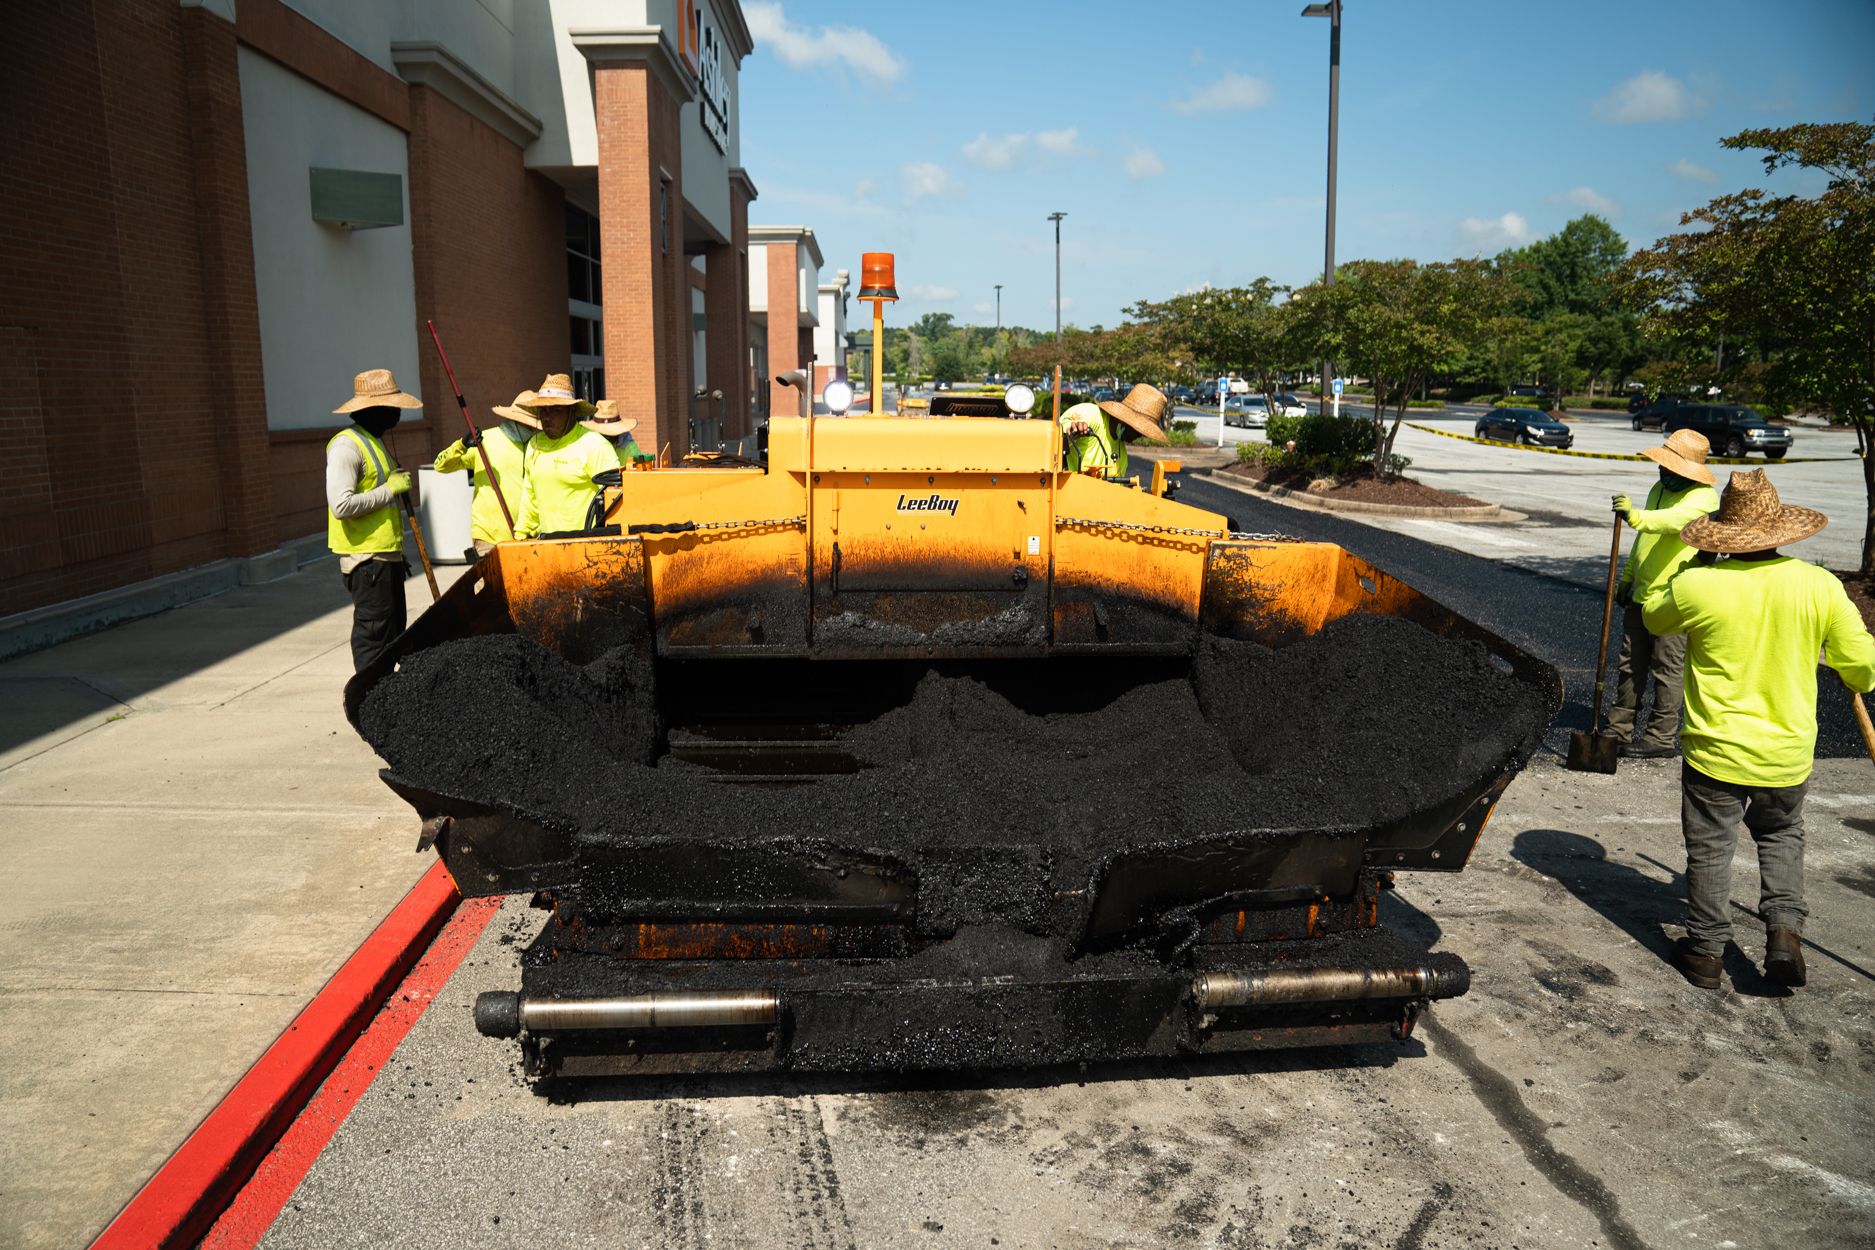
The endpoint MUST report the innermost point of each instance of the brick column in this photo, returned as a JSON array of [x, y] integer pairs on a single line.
[[784, 325], [237, 406], [647, 300]]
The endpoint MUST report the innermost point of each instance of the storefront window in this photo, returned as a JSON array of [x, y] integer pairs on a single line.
[[585, 293]]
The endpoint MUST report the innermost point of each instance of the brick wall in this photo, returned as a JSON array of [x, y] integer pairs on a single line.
[[490, 263], [784, 339], [647, 295], [105, 334]]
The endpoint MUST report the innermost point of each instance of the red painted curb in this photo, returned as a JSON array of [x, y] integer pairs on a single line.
[[182, 1200], [277, 1177]]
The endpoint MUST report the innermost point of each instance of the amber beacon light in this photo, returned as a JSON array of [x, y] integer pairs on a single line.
[[878, 283]]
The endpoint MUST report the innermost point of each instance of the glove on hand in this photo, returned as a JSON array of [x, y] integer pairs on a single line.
[[399, 482], [1623, 505], [470, 441], [1624, 594]]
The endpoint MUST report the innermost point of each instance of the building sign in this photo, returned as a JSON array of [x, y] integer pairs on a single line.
[[702, 48]]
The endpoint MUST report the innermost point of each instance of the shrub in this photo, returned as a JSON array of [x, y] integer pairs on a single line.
[[1526, 401], [1425, 403], [1259, 453], [1606, 405], [1182, 434], [1338, 444]]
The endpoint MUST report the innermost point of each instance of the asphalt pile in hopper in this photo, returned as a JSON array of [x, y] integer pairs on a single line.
[[1366, 722]]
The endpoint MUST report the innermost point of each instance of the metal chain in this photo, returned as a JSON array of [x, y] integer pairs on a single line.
[[1238, 535], [749, 525]]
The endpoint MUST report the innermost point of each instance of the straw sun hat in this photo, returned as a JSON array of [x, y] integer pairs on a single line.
[[376, 388], [1140, 410], [1751, 518], [555, 392], [605, 420], [1685, 454]]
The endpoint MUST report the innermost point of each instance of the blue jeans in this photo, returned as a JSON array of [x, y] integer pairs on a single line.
[[1711, 814]]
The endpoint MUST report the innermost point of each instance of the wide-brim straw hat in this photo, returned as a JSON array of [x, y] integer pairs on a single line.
[[605, 420], [1685, 453], [1140, 410], [556, 392], [514, 412], [1751, 518], [376, 388]]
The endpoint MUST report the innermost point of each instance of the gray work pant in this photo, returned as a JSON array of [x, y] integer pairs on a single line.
[[1645, 656], [1711, 812]]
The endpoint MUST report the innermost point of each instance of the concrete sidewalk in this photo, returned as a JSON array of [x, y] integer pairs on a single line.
[[195, 840]]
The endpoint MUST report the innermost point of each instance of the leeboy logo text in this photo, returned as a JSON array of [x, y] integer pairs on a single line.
[[927, 503]]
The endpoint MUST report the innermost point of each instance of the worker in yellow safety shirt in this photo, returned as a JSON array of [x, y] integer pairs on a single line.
[[363, 527], [1683, 494], [1754, 623], [1094, 436], [562, 458], [506, 445]]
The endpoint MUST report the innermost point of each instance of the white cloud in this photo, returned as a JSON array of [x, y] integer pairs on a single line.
[[1060, 142], [858, 50], [1143, 163], [987, 153], [1231, 92], [1476, 234], [1591, 199], [1649, 96], [923, 179], [985, 307], [1684, 168], [936, 294], [864, 188]]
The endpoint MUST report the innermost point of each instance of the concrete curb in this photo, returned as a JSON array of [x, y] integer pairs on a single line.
[[1313, 503], [38, 628], [178, 1204]]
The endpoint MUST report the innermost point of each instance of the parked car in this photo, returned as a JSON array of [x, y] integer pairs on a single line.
[[1252, 412], [1732, 429], [1527, 392], [1179, 393], [1100, 393], [1526, 426], [1653, 415], [1289, 406]]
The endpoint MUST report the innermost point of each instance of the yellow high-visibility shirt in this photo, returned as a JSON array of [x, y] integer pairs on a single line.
[[1753, 629], [510, 461], [1102, 449], [1658, 552], [559, 473]]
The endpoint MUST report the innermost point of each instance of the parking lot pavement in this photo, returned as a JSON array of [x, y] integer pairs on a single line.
[[1565, 499], [1582, 1094], [194, 840]]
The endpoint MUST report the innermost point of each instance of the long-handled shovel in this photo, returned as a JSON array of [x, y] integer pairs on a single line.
[[423, 550], [1593, 752], [1862, 722]]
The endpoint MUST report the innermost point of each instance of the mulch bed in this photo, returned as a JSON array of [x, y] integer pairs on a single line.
[[1861, 593], [1401, 491]]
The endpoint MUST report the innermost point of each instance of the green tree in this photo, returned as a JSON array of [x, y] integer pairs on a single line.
[[1570, 271], [1224, 329], [1781, 287], [1398, 323]]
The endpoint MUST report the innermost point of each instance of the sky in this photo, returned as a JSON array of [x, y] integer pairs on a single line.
[[1187, 142]]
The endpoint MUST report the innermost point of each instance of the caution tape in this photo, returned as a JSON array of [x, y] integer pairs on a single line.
[[1614, 455]]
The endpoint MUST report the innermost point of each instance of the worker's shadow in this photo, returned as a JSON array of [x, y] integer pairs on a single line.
[[1631, 900]]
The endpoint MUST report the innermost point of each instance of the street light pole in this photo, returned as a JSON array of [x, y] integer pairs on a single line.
[[1332, 11], [1056, 218], [999, 328]]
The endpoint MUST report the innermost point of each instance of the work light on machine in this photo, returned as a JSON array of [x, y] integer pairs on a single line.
[[838, 397], [1019, 398]]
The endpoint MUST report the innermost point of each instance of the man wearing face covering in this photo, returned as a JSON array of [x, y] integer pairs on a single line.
[[1683, 494], [363, 526]]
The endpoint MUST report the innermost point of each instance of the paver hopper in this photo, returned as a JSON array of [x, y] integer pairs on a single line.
[[781, 606]]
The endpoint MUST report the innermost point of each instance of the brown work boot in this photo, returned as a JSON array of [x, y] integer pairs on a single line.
[[1783, 957], [1702, 970]]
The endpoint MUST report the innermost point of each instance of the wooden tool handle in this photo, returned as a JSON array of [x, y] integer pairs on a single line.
[[1862, 722], [1608, 613], [423, 551]]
